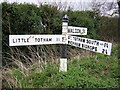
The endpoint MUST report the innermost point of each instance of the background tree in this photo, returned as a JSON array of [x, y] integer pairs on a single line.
[[47, 19], [118, 1], [51, 19], [104, 8], [108, 28]]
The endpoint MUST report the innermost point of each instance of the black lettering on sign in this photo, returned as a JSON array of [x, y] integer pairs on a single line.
[[93, 42], [68, 42], [74, 38], [87, 41], [84, 40], [50, 39], [106, 45], [27, 40], [37, 40], [74, 43], [70, 30], [18, 40], [97, 43], [21, 40], [43, 39], [77, 31], [104, 51], [14, 41], [95, 49], [69, 37], [77, 44], [79, 39], [88, 47]]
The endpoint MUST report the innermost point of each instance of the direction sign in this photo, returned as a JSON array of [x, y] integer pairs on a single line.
[[21, 40], [64, 38], [77, 30], [90, 44]]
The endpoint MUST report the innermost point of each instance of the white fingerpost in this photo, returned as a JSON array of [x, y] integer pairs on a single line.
[[63, 60], [23, 40], [65, 38]]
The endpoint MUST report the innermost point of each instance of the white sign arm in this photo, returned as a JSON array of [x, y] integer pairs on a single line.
[[90, 44], [22, 40]]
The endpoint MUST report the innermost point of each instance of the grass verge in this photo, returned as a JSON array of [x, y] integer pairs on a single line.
[[97, 71]]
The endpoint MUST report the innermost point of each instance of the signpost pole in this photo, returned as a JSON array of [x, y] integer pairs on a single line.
[[63, 60]]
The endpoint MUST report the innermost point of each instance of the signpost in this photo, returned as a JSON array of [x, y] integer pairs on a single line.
[[90, 44], [65, 38]]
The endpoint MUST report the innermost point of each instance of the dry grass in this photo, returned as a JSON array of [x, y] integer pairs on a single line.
[[33, 58]]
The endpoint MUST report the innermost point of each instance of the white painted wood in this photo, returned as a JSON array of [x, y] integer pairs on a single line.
[[90, 44], [64, 32], [72, 30], [63, 65], [21, 40]]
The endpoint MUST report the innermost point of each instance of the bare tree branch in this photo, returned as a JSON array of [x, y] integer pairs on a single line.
[[104, 8]]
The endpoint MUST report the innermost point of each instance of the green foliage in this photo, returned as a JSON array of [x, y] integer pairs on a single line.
[[98, 71], [21, 19], [28, 19], [116, 51], [38, 79], [52, 19], [47, 19], [18, 19], [85, 19], [109, 29]]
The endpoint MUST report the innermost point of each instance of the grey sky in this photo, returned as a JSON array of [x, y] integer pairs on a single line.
[[36, 1], [75, 4]]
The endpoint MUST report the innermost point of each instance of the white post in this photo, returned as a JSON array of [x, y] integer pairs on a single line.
[[63, 64], [63, 60]]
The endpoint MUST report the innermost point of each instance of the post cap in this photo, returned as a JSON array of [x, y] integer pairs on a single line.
[[65, 18]]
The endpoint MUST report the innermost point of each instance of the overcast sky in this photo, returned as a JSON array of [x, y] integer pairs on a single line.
[[36, 1], [75, 4]]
